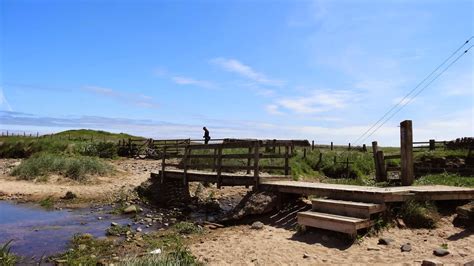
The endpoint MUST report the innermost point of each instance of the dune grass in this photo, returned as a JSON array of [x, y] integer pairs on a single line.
[[75, 167]]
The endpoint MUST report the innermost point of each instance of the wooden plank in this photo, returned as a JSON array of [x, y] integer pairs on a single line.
[[249, 160], [219, 167], [406, 152], [256, 159], [348, 225], [393, 156], [347, 208]]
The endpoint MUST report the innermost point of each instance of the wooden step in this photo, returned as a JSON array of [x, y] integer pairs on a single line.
[[347, 208], [338, 223]]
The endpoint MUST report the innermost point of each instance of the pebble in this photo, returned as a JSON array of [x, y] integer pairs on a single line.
[[373, 248], [305, 256], [431, 262], [99, 218], [257, 225], [139, 229], [114, 224], [440, 252], [385, 241], [406, 247]]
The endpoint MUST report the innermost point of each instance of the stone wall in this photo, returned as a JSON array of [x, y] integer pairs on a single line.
[[172, 192]]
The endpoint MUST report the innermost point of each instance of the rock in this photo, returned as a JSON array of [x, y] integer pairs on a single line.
[[131, 209], [139, 229], [113, 224], [373, 248], [385, 241], [440, 252], [257, 225], [99, 218], [469, 263], [305, 256], [431, 262], [69, 196], [406, 247], [255, 203], [156, 251]]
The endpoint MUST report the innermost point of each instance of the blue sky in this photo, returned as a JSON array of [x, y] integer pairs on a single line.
[[323, 70]]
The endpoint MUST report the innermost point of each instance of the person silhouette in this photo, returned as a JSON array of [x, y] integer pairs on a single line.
[[206, 135]]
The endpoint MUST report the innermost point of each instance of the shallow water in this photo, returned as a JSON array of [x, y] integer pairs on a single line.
[[37, 232]]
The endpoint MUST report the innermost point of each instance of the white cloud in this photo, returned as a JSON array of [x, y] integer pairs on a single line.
[[4, 105], [316, 102], [273, 109], [235, 66], [136, 99], [190, 81]]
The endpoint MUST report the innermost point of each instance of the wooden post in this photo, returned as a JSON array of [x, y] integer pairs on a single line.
[[406, 152], [249, 160], [312, 145], [219, 167], [292, 150], [364, 148], [7, 133], [304, 153], [185, 164], [347, 166], [349, 148], [24, 134], [382, 168], [214, 160], [256, 158], [375, 149], [279, 149], [286, 159], [37, 134], [163, 164], [432, 145], [332, 146]]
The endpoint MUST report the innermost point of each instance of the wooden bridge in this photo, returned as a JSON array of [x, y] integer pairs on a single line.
[[343, 208]]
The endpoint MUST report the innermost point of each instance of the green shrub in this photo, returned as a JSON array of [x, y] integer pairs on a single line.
[[7, 258], [99, 149], [419, 214], [445, 179], [74, 167], [179, 256], [187, 228]]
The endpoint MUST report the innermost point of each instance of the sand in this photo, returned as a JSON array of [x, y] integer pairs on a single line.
[[130, 173], [240, 245]]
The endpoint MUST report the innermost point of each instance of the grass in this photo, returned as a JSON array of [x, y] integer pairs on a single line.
[[7, 258], [86, 250], [187, 228], [75, 167], [418, 214], [117, 230], [86, 142], [47, 203], [180, 256], [447, 179]]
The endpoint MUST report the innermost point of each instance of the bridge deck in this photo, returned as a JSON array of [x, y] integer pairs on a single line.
[[338, 191]]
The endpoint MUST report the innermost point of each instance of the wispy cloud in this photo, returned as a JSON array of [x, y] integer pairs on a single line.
[[136, 99], [235, 66], [4, 104], [316, 102], [191, 81]]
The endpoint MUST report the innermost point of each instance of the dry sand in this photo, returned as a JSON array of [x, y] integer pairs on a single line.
[[130, 173], [240, 245]]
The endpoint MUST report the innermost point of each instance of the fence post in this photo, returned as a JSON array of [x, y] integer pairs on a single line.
[[364, 148], [375, 149], [37, 134], [304, 153], [349, 147], [249, 160], [214, 160], [185, 164], [382, 168], [286, 159], [163, 164], [432, 145], [256, 159], [406, 152], [7, 133], [312, 145], [219, 166], [347, 166], [332, 146]]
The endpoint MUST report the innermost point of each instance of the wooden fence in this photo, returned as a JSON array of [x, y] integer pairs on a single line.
[[216, 157]]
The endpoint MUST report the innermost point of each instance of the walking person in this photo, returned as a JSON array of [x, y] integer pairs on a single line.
[[206, 135]]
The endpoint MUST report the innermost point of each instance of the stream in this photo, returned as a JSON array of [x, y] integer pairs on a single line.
[[36, 232]]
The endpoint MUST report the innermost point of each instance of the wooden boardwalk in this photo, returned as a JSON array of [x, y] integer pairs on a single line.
[[335, 191]]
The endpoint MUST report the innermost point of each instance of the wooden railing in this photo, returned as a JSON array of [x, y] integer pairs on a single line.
[[217, 156]]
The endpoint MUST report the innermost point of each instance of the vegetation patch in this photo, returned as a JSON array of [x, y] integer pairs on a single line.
[[117, 230], [447, 179], [186, 228], [180, 256], [7, 258], [86, 250], [418, 214], [74, 167], [47, 203]]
